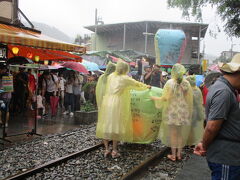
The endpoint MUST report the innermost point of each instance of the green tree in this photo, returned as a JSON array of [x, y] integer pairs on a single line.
[[82, 40], [228, 10]]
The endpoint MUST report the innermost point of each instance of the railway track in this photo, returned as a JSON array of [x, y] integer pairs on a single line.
[[52, 163], [137, 170], [142, 168]]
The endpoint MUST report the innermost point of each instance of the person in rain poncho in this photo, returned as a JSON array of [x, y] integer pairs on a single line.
[[197, 113], [102, 82], [115, 119], [176, 103]]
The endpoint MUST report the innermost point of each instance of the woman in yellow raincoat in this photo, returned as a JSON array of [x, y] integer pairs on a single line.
[[102, 82], [176, 103], [196, 132], [115, 119]]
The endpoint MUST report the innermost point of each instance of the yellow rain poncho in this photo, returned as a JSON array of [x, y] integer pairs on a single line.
[[197, 129], [115, 119], [176, 104], [102, 82]]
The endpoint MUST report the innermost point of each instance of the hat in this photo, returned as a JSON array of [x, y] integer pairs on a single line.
[[232, 66]]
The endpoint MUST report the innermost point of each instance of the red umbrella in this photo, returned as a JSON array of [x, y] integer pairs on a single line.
[[75, 66], [214, 67]]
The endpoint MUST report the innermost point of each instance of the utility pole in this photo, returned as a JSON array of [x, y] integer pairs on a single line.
[[15, 19], [96, 23], [232, 49]]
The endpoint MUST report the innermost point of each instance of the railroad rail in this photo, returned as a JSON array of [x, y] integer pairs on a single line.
[[139, 170], [134, 173], [52, 163]]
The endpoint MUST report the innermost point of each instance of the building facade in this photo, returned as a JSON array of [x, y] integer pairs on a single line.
[[139, 36]]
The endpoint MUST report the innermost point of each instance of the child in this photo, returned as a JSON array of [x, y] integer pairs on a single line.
[[39, 104]]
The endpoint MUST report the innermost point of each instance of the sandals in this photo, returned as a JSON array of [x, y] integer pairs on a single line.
[[171, 157], [106, 153], [115, 154]]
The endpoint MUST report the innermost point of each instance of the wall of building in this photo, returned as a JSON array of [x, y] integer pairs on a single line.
[[135, 39]]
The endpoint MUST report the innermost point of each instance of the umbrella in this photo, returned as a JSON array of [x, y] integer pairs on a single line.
[[48, 67], [19, 60], [75, 66], [199, 80], [214, 67], [211, 78], [91, 66]]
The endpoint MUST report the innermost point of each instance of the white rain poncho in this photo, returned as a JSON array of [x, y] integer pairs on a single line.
[[176, 104]]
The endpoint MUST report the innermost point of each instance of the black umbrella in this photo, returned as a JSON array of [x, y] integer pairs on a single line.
[[19, 60], [211, 78]]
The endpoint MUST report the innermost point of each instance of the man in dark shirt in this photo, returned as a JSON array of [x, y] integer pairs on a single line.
[[221, 139], [21, 89], [147, 75], [156, 77]]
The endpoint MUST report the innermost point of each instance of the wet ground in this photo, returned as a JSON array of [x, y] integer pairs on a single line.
[[20, 125]]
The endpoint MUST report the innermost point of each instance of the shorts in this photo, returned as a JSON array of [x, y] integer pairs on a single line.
[[48, 95]]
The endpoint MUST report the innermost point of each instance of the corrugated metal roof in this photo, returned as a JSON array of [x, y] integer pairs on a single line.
[[193, 28]]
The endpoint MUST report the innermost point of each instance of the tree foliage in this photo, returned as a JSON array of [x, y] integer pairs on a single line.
[[228, 10], [82, 40]]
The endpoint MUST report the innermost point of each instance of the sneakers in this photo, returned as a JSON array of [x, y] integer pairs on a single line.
[[65, 112], [71, 114]]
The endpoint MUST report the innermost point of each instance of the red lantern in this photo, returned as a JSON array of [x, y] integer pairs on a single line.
[[29, 55]]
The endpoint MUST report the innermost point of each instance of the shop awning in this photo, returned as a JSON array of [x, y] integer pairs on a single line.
[[43, 54], [24, 37]]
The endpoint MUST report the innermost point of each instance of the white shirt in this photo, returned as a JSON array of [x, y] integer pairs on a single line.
[[51, 85], [62, 81]]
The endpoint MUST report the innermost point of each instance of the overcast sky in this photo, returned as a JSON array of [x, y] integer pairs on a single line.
[[70, 16]]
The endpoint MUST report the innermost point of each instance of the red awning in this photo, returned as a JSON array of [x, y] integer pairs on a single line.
[[44, 54]]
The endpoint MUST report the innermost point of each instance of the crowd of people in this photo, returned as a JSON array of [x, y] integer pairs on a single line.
[[184, 107], [181, 110], [46, 91]]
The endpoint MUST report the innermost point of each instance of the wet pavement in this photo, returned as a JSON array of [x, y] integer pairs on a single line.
[[20, 125], [195, 168]]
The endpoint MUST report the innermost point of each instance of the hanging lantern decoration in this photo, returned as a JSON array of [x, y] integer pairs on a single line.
[[46, 62], [36, 58], [15, 50], [29, 55]]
